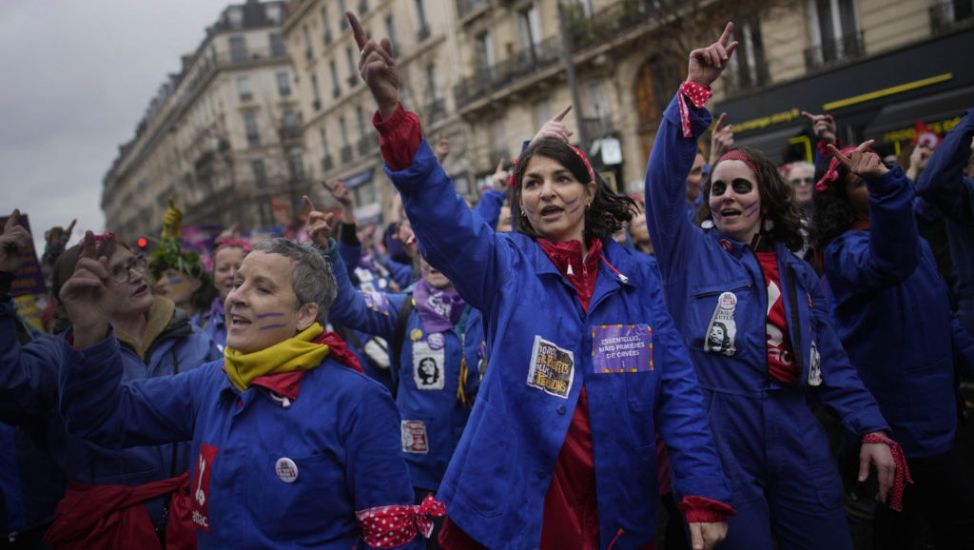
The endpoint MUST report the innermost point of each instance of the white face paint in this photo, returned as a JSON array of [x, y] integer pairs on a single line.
[[735, 203]]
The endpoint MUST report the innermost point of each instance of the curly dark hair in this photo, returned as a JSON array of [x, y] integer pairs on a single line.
[[777, 200], [833, 213], [608, 212]]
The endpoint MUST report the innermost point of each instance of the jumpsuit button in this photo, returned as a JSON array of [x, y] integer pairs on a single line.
[[561, 409]]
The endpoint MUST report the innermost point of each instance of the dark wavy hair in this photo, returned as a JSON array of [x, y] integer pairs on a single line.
[[777, 200], [608, 212], [833, 213]]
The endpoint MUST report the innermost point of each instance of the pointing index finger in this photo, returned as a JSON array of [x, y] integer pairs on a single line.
[[720, 122], [728, 30], [864, 146], [357, 31], [12, 220], [838, 154], [560, 116], [307, 202], [88, 249]]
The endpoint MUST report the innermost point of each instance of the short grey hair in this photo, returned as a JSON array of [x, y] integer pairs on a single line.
[[313, 281]]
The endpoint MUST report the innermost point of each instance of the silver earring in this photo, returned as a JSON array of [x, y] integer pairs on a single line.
[[768, 224], [707, 224]]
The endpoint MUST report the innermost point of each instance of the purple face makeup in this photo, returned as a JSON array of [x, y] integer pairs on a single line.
[[273, 327], [271, 314]]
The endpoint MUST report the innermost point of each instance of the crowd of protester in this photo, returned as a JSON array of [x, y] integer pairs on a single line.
[[735, 359]]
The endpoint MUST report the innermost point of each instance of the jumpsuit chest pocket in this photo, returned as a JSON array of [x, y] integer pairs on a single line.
[[716, 314], [288, 491]]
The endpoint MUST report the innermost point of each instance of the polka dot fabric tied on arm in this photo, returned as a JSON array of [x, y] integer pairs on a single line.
[[392, 526], [698, 96]]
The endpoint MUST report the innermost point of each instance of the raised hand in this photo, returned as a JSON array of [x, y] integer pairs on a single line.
[[377, 67], [918, 160], [500, 175], [13, 242], [862, 160], [339, 191], [706, 64], [555, 128], [319, 225], [823, 126], [705, 536], [442, 148], [721, 139], [85, 295]]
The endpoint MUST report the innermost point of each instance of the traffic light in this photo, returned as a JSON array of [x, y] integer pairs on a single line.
[[142, 244]]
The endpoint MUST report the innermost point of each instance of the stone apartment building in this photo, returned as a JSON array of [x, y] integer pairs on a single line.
[[222, 137], [487, 73]]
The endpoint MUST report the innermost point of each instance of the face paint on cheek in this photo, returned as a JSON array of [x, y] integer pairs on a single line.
[[273, 327], [271, 314], [751, 210], [173, 281]]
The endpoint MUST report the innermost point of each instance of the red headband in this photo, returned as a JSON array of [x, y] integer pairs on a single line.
[[233, 243], [106, 236], [588, 166], [832, 173], [736, 154]]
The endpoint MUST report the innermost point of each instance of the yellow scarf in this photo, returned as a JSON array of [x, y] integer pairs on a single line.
[[297, 353]]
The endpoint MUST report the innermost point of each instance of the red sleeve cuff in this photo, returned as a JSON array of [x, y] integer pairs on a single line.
[[399, 137], [704, 510]]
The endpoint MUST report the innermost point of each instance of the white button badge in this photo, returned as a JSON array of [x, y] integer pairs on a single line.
[[286, 469]]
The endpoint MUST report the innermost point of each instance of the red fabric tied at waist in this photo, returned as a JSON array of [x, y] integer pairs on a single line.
[[114, 516], [395, 525], [902, 477]]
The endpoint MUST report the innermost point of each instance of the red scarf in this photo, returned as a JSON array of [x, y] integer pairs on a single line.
[[567, 257]]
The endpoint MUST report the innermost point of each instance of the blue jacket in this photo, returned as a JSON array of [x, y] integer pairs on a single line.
[[943, 183], [489, 206], [339, 435], [431, 405], [540, 354], [892, 313], [699, 265], [401, 273], [31, 483], [213, 323], [29, 391]]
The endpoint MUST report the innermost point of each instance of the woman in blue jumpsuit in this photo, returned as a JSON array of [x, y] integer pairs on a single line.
[[892, 313], [584, 363], [758, 375]]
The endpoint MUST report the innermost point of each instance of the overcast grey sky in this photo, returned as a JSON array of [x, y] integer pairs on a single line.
[[77, 76]]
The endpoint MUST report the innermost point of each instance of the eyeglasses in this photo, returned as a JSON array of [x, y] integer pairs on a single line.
[[123, 273], [802, 181]]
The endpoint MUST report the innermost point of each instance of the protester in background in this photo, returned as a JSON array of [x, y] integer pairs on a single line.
[[492, 200], [114, 498], [437, 352], [227, 258], [551, 391], [758, 331], [892, 313], [944, 184], [294, 446], [826, 133], [55, 241]]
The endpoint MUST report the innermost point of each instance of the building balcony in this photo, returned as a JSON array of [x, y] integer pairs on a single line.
[[467, 7], [520, 65], [588, 30], [208, 65], [346, 154], [435, 110], [834, 51], [944, 17], [289, 132]]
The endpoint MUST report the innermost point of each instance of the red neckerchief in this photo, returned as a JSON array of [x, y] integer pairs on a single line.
[[583, 273], [288, 384]]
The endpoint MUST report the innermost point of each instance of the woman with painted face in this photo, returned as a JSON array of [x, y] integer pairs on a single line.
[[437, 351], [584, 363], [227, 258], [177, 274], [758, 331], [892, 313], [293, 445], [115, 498]]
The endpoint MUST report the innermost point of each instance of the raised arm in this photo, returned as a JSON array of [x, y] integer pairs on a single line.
[[893, 252], [942, 181], [452, 237], [674, 149]]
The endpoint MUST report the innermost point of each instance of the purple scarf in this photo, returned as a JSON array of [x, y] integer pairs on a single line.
[[438, 310]]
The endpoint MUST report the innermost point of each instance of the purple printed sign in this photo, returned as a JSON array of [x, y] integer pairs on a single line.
[[29, 278], [622, 348]]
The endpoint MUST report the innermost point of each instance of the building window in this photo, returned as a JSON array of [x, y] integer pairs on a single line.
[[542, 112], [295, 165], [336, 89], [265, 211], [325, 24], [343, 130], [424, 27], [835, 32], [342, 21], [238, 49], [391, 33], [484, 51], [243, 88], [529, 28], [748, 65], [352, 68], [260, 173], [250, 125], [499, 143], [283, 83], [365, 194], [278, 49], [363, 6], [308, 51], [292, 123], [235, 17], [315, 93], [273, 13]]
